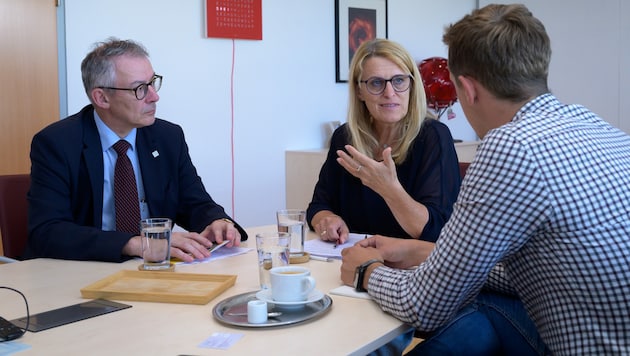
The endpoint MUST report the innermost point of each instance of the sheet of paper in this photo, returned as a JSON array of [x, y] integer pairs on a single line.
[[11, 347], [223, 252], [349, 292], [222, 341], [318, 247]]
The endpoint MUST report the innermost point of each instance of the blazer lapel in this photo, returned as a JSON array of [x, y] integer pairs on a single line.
[[93, 155], [153, 178]]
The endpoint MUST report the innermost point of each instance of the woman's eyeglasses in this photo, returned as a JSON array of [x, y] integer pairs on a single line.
[[376, 85]]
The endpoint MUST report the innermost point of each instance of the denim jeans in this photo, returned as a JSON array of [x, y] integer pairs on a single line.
[[493, 324]]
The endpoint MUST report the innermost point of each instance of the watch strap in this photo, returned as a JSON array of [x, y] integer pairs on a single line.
[[360, 272]]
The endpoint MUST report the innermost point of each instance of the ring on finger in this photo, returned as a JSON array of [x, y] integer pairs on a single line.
[[323, 233], [359, 168]]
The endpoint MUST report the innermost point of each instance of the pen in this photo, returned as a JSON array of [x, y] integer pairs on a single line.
[[216, 247], [319, 258], [337, 241]]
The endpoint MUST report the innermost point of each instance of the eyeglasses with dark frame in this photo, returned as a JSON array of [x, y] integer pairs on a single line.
[[376, 85], [141, 90]]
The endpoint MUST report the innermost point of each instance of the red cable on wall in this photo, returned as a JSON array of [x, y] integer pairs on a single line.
[[235, 19], [232, 124]]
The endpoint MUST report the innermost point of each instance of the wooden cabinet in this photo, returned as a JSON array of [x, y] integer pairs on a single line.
[[302, 170], [29, 94], [466, 150]]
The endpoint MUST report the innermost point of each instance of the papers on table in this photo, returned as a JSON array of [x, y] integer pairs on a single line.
[[222, 341], [347, 291], [217, 254], [11, 347], [318, 247]]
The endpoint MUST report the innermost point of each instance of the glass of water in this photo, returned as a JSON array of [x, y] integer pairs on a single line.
[[156, 243], [273, 251], [293, 222]]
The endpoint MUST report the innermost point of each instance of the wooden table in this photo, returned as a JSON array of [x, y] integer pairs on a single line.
[[352, 326]]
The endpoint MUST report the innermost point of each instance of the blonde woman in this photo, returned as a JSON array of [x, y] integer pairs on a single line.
[[392, 168]]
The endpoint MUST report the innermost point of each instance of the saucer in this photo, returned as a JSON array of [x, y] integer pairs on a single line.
[[265, 295]]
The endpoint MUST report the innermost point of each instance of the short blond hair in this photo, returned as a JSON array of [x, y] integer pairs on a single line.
[[504, 47]]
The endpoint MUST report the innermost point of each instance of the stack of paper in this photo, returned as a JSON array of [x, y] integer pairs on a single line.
[[318, 247], [217, 254]]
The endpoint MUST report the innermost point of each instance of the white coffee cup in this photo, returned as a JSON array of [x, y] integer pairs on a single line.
[[291, 283]]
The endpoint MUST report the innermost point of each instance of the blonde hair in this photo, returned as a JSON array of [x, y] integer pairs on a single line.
[[360, 125]]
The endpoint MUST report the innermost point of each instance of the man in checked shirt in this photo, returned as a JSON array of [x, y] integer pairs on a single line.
[[542, 213]]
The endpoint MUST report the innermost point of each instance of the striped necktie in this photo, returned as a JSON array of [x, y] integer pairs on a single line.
[[125, 192]]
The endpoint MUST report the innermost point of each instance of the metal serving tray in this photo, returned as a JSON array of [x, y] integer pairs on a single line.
[[290, 314]]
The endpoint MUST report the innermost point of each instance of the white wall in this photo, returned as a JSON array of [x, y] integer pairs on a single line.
[[590, 61], [284, 86]]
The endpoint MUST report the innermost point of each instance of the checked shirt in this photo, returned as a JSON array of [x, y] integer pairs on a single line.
[[543, 212]]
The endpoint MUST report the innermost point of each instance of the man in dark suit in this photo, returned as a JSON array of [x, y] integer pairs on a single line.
[[71, 200]]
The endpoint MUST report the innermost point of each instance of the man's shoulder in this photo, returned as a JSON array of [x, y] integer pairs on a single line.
[[162, 132], [67, 126], [163, 125]]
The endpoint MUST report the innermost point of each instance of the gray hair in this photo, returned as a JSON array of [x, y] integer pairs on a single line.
[[98, 69]]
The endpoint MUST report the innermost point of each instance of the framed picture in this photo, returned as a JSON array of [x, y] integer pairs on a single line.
[[356, 21]]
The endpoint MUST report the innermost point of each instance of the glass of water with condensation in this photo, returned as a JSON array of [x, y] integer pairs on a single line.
[[293, 222], [156, 243], [273, 251]]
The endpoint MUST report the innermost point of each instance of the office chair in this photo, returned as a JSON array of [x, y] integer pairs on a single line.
[[13, 214], [463, 167]]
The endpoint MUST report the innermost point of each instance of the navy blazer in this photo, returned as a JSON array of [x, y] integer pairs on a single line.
[[66, 193]]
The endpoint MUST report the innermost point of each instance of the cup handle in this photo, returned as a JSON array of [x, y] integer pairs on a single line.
[[308, 284]]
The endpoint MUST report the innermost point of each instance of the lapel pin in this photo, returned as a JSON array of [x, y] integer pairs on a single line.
[[155, 154]]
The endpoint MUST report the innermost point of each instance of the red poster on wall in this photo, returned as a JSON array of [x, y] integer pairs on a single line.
[[238, 19]]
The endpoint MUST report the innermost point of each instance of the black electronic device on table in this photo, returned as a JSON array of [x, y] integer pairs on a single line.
[[66, 315], [9, 331]]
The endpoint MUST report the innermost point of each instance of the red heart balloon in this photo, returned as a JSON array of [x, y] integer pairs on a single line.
[[439, 88]]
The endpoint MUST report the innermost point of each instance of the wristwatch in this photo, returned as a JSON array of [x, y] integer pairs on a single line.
[[359, 274]]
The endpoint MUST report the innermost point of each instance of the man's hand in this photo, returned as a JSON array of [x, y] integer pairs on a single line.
[[354, 256], [190, 246], [399, 253], [396, 252], [186, 246], [222, 230]]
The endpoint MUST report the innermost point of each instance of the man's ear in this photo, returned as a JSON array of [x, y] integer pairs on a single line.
[[469, 88], [100, 98]]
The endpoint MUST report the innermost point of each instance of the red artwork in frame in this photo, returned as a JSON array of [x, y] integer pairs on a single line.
[[356, 21], [236, 19]]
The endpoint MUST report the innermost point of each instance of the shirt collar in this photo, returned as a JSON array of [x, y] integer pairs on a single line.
[[109, 137], [541, 102]]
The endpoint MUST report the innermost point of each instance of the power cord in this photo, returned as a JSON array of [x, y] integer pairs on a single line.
[[8, 330]]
